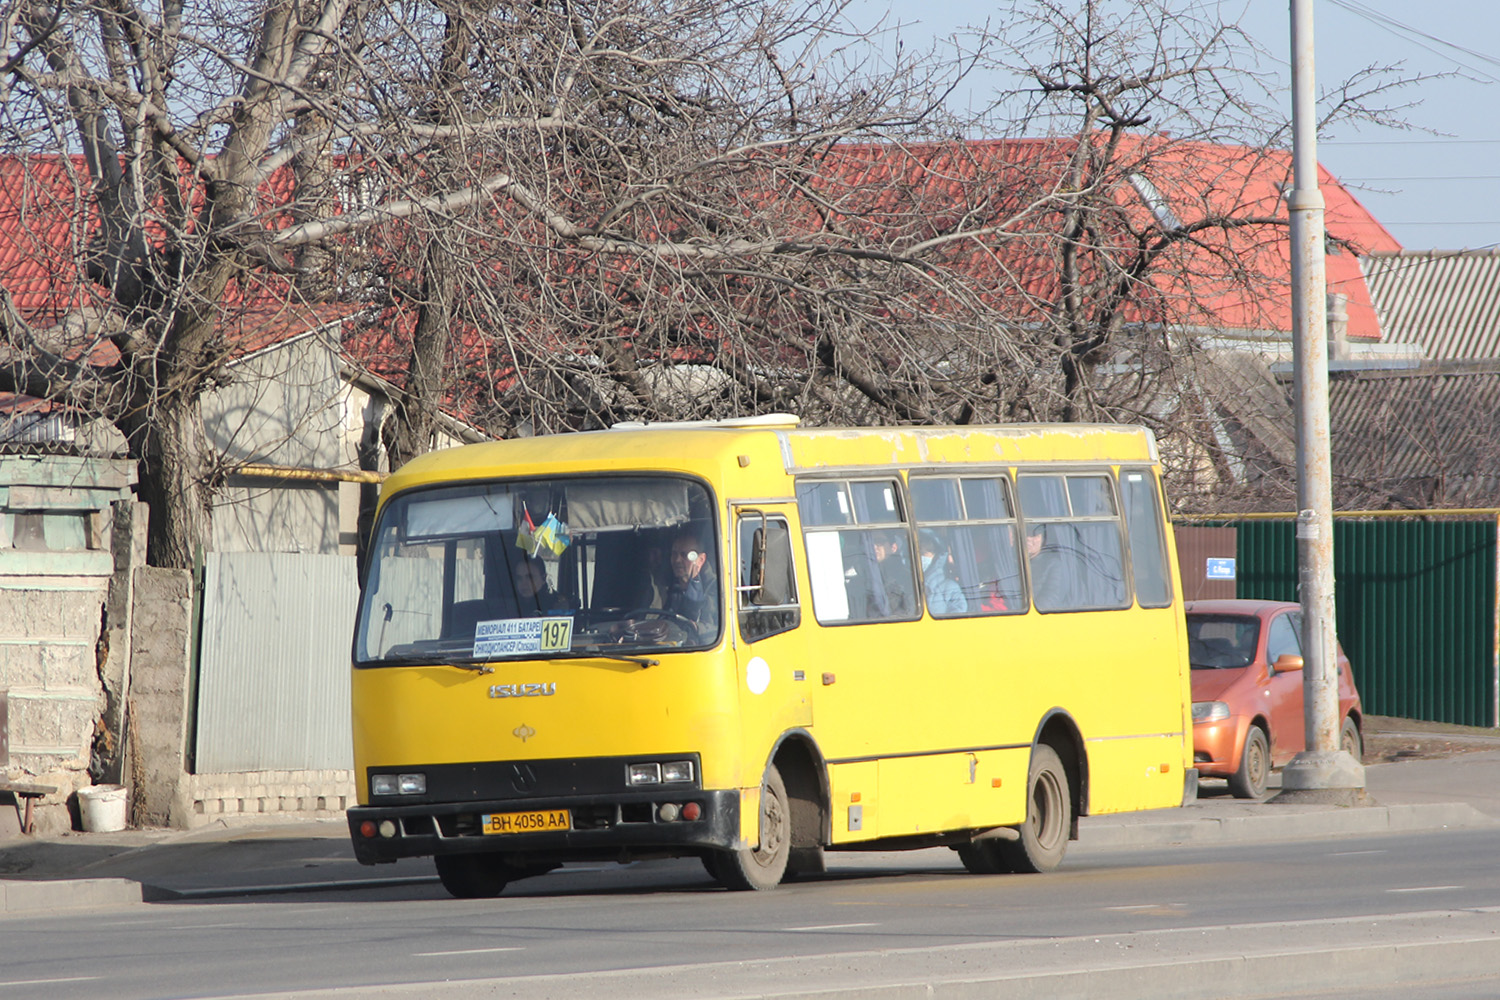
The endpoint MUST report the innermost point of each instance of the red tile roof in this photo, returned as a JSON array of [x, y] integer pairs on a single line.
[[913, 192]]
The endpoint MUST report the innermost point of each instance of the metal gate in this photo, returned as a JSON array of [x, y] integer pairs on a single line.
[[273, 668], [1417, 610]]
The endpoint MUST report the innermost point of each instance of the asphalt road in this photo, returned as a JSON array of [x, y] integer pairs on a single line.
[[664, 929]]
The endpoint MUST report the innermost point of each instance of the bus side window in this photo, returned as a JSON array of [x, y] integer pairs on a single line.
[[863, 570], [970, 519], [1076, 556], [1148, 554], [767, 584]]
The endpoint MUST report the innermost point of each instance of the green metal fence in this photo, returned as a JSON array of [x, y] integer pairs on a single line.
[[1416, 609]]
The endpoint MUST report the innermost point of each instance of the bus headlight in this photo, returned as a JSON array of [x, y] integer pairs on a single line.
[[676, 771], [1210, 711], [643, 774], [398, 784]]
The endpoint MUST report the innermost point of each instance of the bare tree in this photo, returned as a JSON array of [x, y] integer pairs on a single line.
[[179, 161], [560, 213]]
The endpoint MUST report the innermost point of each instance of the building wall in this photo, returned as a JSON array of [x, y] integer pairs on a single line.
[[56, 568], [286, 407]]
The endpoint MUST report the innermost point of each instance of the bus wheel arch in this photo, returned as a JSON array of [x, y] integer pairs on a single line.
[[806, 778], [794, 821], [763, 866], [1058, 731]]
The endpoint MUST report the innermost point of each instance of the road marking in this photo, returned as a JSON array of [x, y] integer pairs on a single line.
[[829, 927], [48, 982], [1426, 888], [203, 927], [462, 951], [1354, 854]]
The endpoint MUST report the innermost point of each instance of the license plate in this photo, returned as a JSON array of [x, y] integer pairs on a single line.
[[526, 822]]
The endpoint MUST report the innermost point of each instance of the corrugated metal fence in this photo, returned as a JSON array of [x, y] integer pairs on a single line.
[[1416, 609], [273, 674]]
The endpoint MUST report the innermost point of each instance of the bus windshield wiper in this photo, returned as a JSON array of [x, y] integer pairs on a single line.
[[593, 654], [463, 662]]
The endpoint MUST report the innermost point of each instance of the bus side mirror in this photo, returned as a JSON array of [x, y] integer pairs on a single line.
[[752, 589]]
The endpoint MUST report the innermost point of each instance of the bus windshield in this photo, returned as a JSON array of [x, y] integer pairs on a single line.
[[530, 569]]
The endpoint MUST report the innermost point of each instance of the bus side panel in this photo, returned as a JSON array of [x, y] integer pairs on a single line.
[[1116, 674], [855, 801], [956, 791], [1130, 774], [920, 695]]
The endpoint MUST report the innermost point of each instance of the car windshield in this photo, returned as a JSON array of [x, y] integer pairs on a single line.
[[537, 568], [1217, 642]]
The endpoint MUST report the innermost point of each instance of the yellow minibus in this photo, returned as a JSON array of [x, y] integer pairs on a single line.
[[754, 642]]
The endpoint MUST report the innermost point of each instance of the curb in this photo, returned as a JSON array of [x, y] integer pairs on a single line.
[[1109, 832], [162, 894], [18, 897]]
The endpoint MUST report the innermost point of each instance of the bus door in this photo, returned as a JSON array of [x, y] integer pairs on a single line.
[[775, 679]]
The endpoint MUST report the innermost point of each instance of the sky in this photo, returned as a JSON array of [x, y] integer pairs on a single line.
[[1431, 190]]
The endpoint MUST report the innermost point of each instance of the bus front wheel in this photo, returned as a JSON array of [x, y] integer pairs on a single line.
[[764, 866], [473, 876]]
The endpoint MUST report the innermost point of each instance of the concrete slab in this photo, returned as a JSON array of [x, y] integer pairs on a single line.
[[66, 894]]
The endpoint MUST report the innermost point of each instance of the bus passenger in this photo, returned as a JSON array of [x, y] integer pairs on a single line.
[[534, 593], [692, 593], [1049, 577], [888, 590], [945, 596]]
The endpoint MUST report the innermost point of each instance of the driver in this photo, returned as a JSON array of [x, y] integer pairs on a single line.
[[692, 592]]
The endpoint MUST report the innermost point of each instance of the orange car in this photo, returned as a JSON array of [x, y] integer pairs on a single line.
[[1247, 691]]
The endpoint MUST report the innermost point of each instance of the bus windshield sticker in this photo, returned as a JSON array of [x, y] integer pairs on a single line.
[[516, 636]]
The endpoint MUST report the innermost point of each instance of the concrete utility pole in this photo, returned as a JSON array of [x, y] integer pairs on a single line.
[[1322, 770]]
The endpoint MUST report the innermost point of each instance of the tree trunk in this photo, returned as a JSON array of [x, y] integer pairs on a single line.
[[413, 426], [171, 446]]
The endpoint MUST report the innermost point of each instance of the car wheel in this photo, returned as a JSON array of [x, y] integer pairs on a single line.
[[472, 876], [1350, 740], [1049, 817], [763, 867], [1249, 782]]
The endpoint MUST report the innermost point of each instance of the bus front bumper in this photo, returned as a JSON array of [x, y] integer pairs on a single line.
[[597, 827]]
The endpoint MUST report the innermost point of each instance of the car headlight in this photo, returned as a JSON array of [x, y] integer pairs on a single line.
[[1210, 711]]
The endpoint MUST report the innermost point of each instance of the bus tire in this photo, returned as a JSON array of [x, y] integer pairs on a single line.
[[983, 858], [1049, 817], [764, 866], [473, 876]]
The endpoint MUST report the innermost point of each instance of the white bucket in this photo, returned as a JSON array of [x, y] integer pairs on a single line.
[[102, 808]]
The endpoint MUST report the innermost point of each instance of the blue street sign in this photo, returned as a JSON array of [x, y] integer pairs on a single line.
[[1220, 569]]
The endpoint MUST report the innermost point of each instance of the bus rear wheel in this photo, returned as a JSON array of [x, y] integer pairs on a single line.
[[473, 876], [764, 866], [1049, 817]]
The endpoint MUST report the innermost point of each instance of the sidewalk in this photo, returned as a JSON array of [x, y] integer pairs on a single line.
[[82, 870]]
